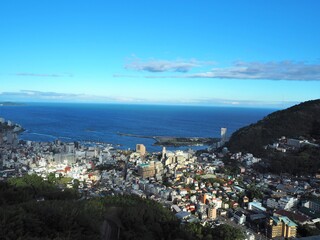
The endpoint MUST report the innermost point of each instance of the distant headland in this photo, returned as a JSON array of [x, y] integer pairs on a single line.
[[11, 104], [171, 141]]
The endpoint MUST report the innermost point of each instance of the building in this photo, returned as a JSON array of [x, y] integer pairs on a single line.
[[146, 170], [272, 203], [287, 203], [65, 158], [182, 215], [223, 135], [315, 205], [201, 208], [176, 208], [256, 207], [70, 148], [204, 198], [217, 202], [281, 227], [238, 189], [296, 217], [239, 217], [294, 142], [212, 212], [140, 148], [158, 167], [164, 153]]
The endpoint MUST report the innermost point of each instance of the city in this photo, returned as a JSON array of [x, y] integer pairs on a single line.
[[196, 186]]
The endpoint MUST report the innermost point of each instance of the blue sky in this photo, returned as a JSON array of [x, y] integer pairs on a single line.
[[233, 53]]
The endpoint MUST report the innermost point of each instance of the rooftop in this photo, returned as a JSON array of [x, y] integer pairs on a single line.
[[286, 220], [294, 216]]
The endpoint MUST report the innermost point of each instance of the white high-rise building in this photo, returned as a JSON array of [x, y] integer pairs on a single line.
[[223, 135], [164, 153]]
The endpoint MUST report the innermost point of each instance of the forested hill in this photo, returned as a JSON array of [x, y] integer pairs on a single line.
[[32, 208], [302, 120]]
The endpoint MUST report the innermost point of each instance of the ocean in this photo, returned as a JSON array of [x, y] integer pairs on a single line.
[[103, 122]]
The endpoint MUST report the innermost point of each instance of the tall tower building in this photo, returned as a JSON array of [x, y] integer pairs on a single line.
[[223, 135], [164, 152]]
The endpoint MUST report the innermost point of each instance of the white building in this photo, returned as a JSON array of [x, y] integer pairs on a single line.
[[217, 202], [287, 203], [256, 206], [223, 135], [239, 217]]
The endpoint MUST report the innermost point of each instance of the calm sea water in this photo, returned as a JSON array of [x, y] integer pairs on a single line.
[[103, 122]]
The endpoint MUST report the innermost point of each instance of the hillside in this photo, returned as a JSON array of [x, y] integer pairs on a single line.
[[32, 208], [64, 215], [302, 120]]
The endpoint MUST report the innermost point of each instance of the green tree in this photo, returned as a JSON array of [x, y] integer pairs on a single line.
[[253, 192], [52, 178], [227, 232], [76, 184]]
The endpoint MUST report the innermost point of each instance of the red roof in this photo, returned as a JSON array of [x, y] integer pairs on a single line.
[[293, 216]]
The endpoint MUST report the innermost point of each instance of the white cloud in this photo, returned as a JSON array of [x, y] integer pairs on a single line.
[[154, 65], [284, 70], [31, 95], [52, 75]]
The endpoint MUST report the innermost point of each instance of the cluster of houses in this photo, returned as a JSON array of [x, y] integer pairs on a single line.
[[290, 144], [194, 186], [196, 190]]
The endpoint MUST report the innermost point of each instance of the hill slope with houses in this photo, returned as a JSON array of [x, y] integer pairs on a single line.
[[299, 121]]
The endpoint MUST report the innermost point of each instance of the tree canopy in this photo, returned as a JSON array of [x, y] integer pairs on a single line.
[[31, 208]]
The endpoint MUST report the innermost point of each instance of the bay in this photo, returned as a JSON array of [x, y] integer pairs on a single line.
[[103, 122]]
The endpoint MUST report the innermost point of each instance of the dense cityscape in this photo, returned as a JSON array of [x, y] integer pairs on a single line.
[[210, 187]]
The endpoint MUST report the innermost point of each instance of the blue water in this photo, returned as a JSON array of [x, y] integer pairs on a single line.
[[102, 122]]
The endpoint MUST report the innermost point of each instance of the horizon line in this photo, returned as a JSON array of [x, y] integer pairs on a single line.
[[219, 105]]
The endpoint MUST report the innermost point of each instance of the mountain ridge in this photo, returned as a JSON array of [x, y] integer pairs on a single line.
[[301, 120]]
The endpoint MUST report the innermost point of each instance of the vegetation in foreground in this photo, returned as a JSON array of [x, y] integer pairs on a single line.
[[31, 208]]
